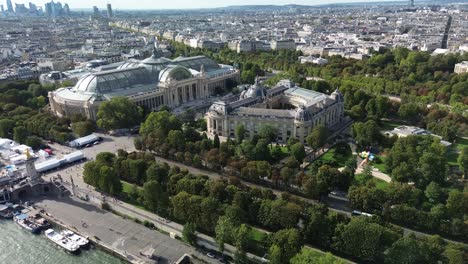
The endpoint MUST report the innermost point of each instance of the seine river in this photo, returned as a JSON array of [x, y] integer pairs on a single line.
[[17, 246]]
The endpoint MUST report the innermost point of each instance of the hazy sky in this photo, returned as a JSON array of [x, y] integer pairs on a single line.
[[177, 4]]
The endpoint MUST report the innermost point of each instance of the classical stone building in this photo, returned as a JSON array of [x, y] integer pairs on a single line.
[[292, 110], [153, 82], [461, 67]]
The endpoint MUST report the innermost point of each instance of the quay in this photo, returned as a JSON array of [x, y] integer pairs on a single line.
[[121, 237]]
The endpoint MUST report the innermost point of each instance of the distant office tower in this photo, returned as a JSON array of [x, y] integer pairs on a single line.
[[96, 11], [20, 9], [66, 10], [110, 14], [411, 2], [9, 6], [2, 9], [32, 9], [48, 9], [56, 9]]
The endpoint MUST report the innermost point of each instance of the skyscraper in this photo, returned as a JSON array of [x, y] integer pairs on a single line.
[[411, 2], [10, 6], [110, 14], [32, 9], [2, 9], [48, 9], [96, 11], [66, 10]]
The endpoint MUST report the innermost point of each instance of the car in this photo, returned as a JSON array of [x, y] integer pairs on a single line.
[[210, 255], [96, 143]]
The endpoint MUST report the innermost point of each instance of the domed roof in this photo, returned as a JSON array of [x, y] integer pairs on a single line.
[[256, 90], [106, 81], [173, 72], [302, 114]]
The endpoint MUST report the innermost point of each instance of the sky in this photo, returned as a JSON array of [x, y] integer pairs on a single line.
[[178, 4]]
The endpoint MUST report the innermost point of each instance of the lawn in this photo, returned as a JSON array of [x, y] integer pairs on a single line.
[[127, 190], [257, 235], [127, 187], [324, 257], [379, 184], [340, 159], [452, 153], [389, 125], [381, 164]]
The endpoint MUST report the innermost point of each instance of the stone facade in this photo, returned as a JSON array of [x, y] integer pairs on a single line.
[[292, 110], [152, 83]]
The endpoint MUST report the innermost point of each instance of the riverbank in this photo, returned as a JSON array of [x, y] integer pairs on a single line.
[[123, 237], [93, 239], [20, 246]]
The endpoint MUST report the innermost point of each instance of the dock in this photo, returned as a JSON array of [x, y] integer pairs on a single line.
[[121, 237]]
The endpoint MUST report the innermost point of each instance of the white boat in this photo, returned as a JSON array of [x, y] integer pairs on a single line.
[[24, 221], [62, 241], [81, 241]]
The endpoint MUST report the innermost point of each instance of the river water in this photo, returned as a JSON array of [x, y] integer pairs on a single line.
[[17, 246]]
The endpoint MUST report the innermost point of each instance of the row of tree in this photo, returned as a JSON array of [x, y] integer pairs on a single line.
[[228, 209]]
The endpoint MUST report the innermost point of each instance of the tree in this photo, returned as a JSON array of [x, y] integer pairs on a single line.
[[457, 203], [463, 161], [216, 142], [154, 196], [285, 244], [83, 128], [224, 231], [20, 134], [407, 250], [366, 134], [240, 133], [241, 242], [307, 256], [34, 142], [298, 151], [91, 173], [361, 238], [119, 112], [189, 233], [162, 121], [157, 172], [6, 128], [318, 228], [317, 137], [108, 181], [105, 158], [434, 193], [268, 133], [454, 255]]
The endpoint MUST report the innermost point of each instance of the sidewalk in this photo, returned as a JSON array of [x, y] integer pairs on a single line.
[[159, 222]]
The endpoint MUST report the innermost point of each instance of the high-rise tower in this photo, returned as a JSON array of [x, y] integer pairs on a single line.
[[411, 2], [110, 14], [10, 6], [96, 11]]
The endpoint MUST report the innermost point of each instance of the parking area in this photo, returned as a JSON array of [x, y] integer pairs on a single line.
[[107, 144]]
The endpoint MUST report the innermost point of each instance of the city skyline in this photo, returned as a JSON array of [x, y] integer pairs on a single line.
[[186, 4]]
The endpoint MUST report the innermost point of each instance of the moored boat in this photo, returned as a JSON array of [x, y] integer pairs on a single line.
[[24, 221], [62, 241], [81, 241], [5, 212], [40, 221]]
